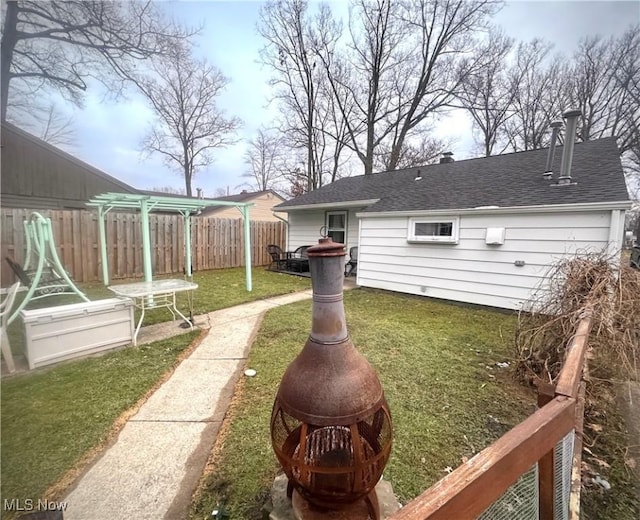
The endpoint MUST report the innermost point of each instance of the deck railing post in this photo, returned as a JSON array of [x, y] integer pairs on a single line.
[[546, 465]]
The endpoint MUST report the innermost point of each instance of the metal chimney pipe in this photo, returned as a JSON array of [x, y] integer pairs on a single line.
[[555, 130], [571, 116]]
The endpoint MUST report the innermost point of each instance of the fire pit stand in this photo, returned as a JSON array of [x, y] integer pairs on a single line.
[[331, 427]]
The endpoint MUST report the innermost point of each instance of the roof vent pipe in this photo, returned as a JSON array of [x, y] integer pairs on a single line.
[[447, 157], [418, 176], [571, 117], [555, 130]]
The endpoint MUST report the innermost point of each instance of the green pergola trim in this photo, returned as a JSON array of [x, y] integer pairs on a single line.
[[147, 203]]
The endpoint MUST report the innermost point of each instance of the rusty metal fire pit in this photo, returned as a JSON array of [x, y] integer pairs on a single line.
[[330, 426]]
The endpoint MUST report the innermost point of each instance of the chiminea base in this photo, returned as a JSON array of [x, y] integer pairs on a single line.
[[367, 508], [279, 506]]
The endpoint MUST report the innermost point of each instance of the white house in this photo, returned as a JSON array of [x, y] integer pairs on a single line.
[[482, 231]]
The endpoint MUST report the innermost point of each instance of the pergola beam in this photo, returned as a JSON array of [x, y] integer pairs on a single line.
[[147, 203]]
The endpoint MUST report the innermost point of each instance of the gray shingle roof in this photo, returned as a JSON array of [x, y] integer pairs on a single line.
[[509, 180]]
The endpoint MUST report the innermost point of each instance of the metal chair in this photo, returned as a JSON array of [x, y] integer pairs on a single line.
[[298, 260], [278, 257], [5, 310], [351, 267]]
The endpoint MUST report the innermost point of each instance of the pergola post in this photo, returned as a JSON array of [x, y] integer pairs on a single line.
[[187, 244], [247, 246], [103, 245], [146, 242]]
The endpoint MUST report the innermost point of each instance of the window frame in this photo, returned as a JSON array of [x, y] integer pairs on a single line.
[[346, 223], [449, 239]]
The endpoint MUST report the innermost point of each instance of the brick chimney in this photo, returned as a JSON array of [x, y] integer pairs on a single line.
[[447, 157]]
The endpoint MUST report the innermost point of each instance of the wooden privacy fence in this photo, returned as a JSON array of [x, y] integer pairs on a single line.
[[216, 243], [485, 486]]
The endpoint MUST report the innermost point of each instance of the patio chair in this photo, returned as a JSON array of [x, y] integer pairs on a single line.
[[278, 258], [298, 260], [5, 309], [351, 267]]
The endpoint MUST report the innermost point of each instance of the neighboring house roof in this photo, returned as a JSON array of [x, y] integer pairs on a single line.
[[245, 196], [509, 180], [37, 174]]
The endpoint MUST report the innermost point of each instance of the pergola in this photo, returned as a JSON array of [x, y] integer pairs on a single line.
[[147, 203]]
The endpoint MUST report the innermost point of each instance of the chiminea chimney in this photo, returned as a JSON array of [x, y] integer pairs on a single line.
[[571, 117], [447, 157], [555, 130]]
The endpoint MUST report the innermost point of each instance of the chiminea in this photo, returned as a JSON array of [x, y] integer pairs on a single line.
[[330, 426]]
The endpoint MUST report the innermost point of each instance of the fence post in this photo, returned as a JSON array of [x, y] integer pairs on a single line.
[[546, 465]]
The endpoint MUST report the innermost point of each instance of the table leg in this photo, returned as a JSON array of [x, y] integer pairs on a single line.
[[172, 306], [180, 314], [135, 334]]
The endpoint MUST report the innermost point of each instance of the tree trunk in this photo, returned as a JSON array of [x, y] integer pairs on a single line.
[[9, 40], [368, 159], [187, 173]]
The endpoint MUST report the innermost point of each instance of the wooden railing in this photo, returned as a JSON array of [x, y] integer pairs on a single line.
[[471, 488]]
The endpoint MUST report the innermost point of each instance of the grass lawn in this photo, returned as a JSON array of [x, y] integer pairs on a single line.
[[51, 418], [437, 362]]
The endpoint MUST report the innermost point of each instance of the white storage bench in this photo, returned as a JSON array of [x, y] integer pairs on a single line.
[[56, 334]]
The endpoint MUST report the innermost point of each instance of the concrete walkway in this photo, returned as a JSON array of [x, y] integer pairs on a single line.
[[153, 467]]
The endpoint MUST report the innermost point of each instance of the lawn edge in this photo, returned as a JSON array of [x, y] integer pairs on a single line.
[[72, 476]]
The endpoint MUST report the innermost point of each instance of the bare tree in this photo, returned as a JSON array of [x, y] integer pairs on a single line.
[[63, 43], [263, 158], [538, 86], [605, 86], [169, 190], [436, 69], [57, 129], [486, 93], [183, 93], [286, 28], [222, 192], [47, 122], [403, 67], [420, 151]]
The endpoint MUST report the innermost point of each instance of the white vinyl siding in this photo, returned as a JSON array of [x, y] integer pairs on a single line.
[[472, 271], [304, 228]]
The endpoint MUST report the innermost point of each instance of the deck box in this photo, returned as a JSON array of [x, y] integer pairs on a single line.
[[55, 334]]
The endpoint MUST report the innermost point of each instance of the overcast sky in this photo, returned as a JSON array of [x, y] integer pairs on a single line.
[[108, 134]]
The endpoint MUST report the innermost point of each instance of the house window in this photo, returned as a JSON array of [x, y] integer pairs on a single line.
[[443, 230], [337, 226]]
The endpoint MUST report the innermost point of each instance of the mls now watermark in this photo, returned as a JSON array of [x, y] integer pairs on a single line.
[[28, 504]]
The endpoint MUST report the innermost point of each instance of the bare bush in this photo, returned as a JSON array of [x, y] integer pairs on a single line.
[[584, 283]]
